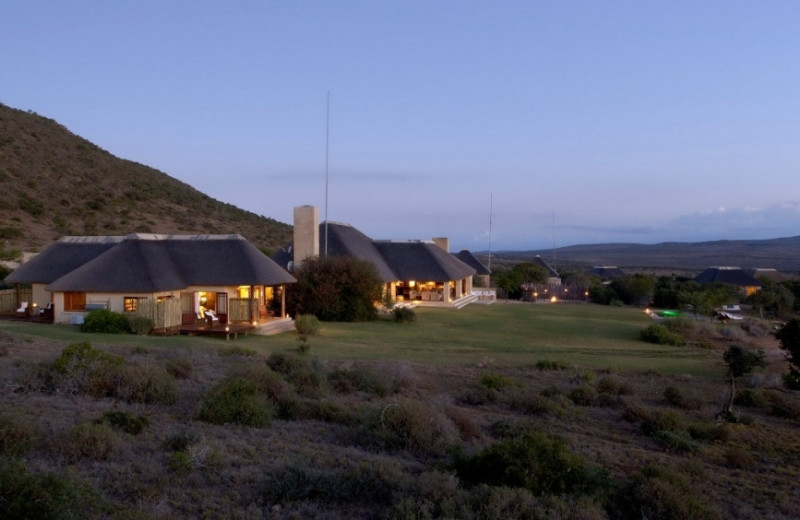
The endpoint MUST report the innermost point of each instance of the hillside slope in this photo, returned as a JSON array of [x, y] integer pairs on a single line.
[[55, 183], [779, 253]]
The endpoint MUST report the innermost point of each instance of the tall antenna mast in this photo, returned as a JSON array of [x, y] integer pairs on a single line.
[[327, 150], [491, 208], [554, 241]]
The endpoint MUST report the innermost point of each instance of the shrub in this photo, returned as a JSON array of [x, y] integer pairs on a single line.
[[237, 401], [149, 384], [415, 426], [307, 325], [298, 409], [107, 322], [81, 367], [613, 386], [45, 496], [179, 368], [661, 335], [268, 382], [583, 395], [404, 315], [358, 483], [539, 463], [125, 421], [544, 364], [752, 398], [496, 381], [677, 442], [141, 325], [676, 397], [91, 441], [661, 421], [180, 441], [709, 432], [286, 363], [359, 378], [784, 407], [17, 435], [662, 493], [236, 350]]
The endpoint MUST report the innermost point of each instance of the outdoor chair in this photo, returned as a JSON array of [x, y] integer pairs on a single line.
[[211, 318], [23, 310], [47, 311]]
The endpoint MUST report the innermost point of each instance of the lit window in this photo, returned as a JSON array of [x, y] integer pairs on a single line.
[[130, 304]]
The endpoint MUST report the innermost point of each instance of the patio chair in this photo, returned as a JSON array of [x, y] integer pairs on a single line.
[[23, 310], [211, 318], [46, 311]]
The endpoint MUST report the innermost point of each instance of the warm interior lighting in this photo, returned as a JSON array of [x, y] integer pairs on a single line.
[[553, 299], [412, 283]]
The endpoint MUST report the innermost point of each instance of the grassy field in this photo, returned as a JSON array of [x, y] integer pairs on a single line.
[[593, 336], [453, 416]]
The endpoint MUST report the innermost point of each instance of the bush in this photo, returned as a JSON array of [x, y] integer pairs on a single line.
[[236, 401], [661, 335], [661, 421], [752, 398], [583, 395], [141, 325], [149, 384], [180, 441], [404, 315], [125, 421], [17, 435], [44, 496], [613, 386], [544, 364], [236, 350], [106, 322], [496, 381], [415, 426], [179, 368], [675, 396], [81, 367], [783, 406], [709, 432], [307, 324], [677, 442], [339, 288], [359, 378], [91, 441], [539, 463], [662, 493]]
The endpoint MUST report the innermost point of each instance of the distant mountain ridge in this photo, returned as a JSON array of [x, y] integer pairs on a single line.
[[782, 254], [55, 183]]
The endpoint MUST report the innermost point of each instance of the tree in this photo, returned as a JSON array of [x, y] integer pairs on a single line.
[[339, 288], [741, 361], [773, 298], [636, 289], [789, 337]]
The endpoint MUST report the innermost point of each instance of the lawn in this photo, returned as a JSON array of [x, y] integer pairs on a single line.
[[592, 336]]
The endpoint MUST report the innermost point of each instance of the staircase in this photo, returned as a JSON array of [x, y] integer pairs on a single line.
[[273, 327]]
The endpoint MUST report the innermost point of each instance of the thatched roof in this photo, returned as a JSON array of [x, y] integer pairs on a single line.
[[466, 256], [394, 260], [551, 273], [66, 255], [143, 263], [607, 272], [728, 275]]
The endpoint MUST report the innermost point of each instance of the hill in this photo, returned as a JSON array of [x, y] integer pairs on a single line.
[[779, 253], [55, 183]]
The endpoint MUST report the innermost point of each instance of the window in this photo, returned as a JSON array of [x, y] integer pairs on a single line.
[[130, 303], [74, 301]]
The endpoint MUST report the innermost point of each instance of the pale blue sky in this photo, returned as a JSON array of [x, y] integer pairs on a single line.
[[629, 121]]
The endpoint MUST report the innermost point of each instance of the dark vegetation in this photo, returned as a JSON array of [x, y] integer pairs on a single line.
[[335, 289], [54, 183], [134, 432]]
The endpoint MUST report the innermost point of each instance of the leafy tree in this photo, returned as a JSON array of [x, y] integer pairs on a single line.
[[741, 361], [776, 299], [339, 288], [636, 289], [789, 337], [511, 280]]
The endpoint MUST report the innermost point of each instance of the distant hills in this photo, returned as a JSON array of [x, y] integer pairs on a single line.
[[782, 254], [55, 183]]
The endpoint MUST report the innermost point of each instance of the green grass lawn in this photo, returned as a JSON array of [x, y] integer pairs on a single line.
[[591, 336]]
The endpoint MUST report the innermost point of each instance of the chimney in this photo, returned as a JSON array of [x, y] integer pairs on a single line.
[[306, 233], [443, 243]]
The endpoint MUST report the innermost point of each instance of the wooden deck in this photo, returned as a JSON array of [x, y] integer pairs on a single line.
[[226, 331]]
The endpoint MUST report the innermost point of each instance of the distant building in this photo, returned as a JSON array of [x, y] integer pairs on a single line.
[[606, 273], [731, 276], [773, 275]]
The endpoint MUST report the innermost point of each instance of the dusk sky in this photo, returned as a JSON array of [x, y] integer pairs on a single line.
[[585, 121]]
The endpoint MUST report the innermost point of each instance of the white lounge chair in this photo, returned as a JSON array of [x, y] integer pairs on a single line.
[[211, 318], [23, 310]]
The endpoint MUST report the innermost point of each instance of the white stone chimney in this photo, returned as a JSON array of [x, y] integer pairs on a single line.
[[443, 243], [306, 233]]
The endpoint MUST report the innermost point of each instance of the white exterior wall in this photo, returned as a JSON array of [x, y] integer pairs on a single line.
[[114, 301], [40, 297]]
